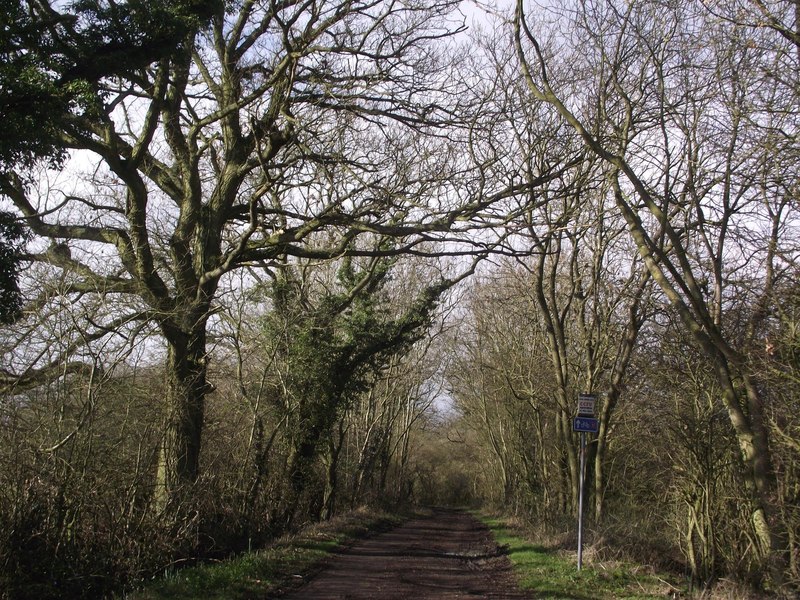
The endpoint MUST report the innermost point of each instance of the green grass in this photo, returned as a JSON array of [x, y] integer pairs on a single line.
[[245, 576], [255, 574], [553, 574]]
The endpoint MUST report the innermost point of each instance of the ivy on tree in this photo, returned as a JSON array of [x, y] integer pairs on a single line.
[[12, 236]]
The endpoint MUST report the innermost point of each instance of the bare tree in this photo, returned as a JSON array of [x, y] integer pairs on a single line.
[[668, 117]]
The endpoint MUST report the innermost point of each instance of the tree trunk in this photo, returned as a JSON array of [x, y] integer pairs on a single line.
[[179, 463], [757, 475], [330, 497], [571, 456], [600, 444], [314, 426]]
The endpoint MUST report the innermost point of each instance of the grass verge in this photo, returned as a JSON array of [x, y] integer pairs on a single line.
[[552, 573], [285, 563]]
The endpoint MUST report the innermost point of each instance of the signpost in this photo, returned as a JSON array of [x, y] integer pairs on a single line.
[[586, 405], [584, 423]]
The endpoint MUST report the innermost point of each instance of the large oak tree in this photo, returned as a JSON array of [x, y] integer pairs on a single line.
[[243, 143], [281, 129]]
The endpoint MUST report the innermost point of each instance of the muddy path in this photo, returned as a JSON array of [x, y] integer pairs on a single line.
[[446, 554]]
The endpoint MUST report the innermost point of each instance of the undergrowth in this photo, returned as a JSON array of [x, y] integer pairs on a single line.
[[552, 573], [284, 564]]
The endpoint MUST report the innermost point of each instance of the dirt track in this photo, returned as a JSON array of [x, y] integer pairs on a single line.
[[443, 556]]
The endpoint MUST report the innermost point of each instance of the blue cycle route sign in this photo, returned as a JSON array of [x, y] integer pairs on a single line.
[[586, 424]]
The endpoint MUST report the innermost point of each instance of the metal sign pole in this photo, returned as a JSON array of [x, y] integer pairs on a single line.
[[580, 500], [584, 422]]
